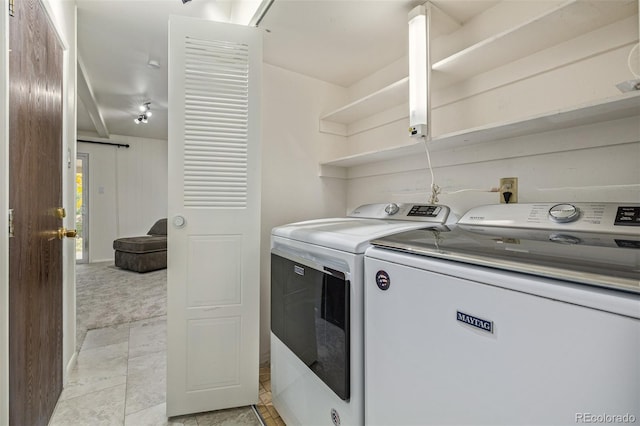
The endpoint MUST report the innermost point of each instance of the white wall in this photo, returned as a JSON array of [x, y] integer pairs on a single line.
[[292, 149], [127, 190], [600, 162], [591, 163]]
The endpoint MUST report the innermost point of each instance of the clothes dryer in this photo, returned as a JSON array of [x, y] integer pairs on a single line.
[[317, 370]]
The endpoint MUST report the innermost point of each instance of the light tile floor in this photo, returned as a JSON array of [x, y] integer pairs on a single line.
[[120, 379], [265, 406]]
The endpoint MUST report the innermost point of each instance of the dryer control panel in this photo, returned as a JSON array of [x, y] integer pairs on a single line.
[[432, 213]]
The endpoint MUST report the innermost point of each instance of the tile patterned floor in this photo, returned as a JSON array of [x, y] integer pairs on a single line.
[[268, 413], [120, 379], [120, 375]]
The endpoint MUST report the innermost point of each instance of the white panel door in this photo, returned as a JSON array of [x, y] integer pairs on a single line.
[[214, 215]]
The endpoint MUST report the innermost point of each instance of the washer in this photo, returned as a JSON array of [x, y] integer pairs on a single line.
[[520, 314], [317, 301]]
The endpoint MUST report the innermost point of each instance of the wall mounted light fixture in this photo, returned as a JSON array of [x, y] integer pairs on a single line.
[[419, 70], [145, 113]]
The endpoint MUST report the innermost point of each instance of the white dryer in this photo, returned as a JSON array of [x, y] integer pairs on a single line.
[[317, 370], [519, 315]]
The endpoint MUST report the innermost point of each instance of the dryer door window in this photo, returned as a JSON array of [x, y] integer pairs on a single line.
[[310, 315]]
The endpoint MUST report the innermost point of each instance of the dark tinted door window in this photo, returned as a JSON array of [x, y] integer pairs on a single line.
[[310, 314]]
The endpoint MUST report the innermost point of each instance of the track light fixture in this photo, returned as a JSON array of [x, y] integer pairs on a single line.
[[145, 113]]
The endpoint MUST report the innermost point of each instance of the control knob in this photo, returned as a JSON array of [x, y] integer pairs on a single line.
[[391, 209], [564, 213]]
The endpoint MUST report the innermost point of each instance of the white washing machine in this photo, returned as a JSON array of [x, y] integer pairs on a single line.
[[317, 370], [525, 314]]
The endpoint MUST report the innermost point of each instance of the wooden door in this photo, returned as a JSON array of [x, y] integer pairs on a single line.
[[214, 210], [35, 254]]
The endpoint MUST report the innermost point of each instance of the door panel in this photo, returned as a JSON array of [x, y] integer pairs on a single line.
[[214, 247], [35, 255]]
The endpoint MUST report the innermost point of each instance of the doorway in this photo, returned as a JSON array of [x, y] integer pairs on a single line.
[[82, 208]]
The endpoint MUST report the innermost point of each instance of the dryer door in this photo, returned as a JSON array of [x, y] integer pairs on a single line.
[[310, 315]]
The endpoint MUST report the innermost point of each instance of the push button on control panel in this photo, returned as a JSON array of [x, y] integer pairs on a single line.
[[628, 216]]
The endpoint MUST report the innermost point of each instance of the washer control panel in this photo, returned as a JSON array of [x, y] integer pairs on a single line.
[[588, 217]]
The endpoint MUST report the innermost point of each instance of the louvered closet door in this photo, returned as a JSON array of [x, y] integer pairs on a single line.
[[214, 216]]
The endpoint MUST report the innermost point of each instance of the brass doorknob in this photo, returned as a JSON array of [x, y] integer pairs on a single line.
[[69, 233]]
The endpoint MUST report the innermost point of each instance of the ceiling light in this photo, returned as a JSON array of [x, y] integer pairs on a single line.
[[153, 64], [185, 1], [145, 110]]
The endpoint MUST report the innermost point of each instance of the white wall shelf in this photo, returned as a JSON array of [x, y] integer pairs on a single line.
[[336, 122], [618, 107], [564, 22]]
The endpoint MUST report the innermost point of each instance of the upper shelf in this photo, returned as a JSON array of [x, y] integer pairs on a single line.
[[618, 107], [392, 95], [564, 22]]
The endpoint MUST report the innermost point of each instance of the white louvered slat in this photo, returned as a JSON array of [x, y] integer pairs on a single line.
[[216, 94]]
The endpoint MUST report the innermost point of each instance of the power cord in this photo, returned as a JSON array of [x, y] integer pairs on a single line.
[[435, 189]]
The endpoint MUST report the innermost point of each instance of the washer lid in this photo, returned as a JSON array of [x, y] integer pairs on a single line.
[[605, 260], [346, 234]]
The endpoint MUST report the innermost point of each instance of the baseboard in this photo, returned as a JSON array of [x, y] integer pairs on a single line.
[[101, 260], [70, 365]]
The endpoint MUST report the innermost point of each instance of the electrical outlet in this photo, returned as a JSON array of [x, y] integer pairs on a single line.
[[509, 190]]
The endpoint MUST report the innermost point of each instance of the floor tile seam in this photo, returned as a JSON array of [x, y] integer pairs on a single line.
[[127, 323], [82, 348], [146, 353], [126, 388], [90, 393], [140, 410]]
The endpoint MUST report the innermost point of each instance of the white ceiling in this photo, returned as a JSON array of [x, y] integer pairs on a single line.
[[339, 41]]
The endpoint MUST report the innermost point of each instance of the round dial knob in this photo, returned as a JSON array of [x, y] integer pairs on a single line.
[[563, 213], [391, 209]]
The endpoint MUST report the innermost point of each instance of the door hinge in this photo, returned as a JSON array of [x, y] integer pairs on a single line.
[[11, 233], [11, 8]]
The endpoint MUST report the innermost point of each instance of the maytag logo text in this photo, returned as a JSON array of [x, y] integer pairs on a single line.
[[483, 325]]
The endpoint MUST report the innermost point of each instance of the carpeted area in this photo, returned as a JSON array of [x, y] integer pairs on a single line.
[[107, 295]]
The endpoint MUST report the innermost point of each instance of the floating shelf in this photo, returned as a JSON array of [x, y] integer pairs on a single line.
[[619, 107], [569, 20], [336, 122]]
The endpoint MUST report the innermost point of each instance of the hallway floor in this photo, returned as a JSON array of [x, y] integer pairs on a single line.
[[120, 374], [120, 379]]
